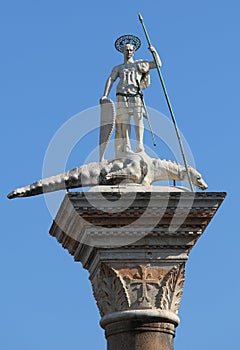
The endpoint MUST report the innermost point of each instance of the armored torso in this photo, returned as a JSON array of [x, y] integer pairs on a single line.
[[129, 74]]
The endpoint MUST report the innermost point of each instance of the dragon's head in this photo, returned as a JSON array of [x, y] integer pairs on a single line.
[[196, 178]]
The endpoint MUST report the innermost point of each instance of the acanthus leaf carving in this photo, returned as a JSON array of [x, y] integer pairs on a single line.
[[109, 291], [138, 287], [172, 288]]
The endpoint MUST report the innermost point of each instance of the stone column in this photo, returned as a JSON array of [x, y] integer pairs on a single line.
[[135, 247]]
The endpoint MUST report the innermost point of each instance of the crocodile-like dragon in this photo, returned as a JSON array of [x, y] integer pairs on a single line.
[[137, 168]]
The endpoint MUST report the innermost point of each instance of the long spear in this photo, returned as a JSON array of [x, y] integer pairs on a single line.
[[167, 99]]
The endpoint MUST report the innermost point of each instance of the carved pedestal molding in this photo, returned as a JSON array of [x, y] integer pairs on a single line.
[[135, 247]]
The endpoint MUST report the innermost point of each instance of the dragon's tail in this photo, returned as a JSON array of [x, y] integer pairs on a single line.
[[85, 175]]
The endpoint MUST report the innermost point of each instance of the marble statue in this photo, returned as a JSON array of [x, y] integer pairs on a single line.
[[135, 168], [127, 166], [133, 78]]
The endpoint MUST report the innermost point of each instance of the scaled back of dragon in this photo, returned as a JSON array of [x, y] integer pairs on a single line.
[[139, 169]]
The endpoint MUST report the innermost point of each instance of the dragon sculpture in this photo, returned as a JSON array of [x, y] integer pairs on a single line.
[[136, 168]]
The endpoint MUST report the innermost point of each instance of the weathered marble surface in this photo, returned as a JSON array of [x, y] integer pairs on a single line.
[[136, 267], [133, 77], [132, 168]]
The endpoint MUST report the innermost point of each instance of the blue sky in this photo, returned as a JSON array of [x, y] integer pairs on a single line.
[[55, 58]]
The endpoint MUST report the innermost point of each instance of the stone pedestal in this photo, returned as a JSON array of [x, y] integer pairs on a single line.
[[135, 247]]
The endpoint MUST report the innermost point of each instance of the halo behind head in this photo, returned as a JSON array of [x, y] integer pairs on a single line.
[[127, 39]]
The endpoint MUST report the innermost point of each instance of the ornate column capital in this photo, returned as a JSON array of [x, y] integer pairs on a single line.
[[140, 287]]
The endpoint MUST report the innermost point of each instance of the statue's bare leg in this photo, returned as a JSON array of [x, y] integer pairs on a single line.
[[118, 137], [139, 130], [126, 132]]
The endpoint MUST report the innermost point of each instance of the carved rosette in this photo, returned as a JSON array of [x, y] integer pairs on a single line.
[[138, 288]]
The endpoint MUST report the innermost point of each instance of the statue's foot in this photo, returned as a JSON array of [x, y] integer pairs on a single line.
[[127, 150], [139, 149]]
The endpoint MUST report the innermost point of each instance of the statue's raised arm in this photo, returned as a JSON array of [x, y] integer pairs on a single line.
[[158, 59]]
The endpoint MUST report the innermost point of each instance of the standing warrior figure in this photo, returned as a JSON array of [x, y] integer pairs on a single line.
[[133, 77]]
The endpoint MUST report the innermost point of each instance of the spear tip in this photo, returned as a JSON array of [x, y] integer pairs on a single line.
[[140, 17]]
